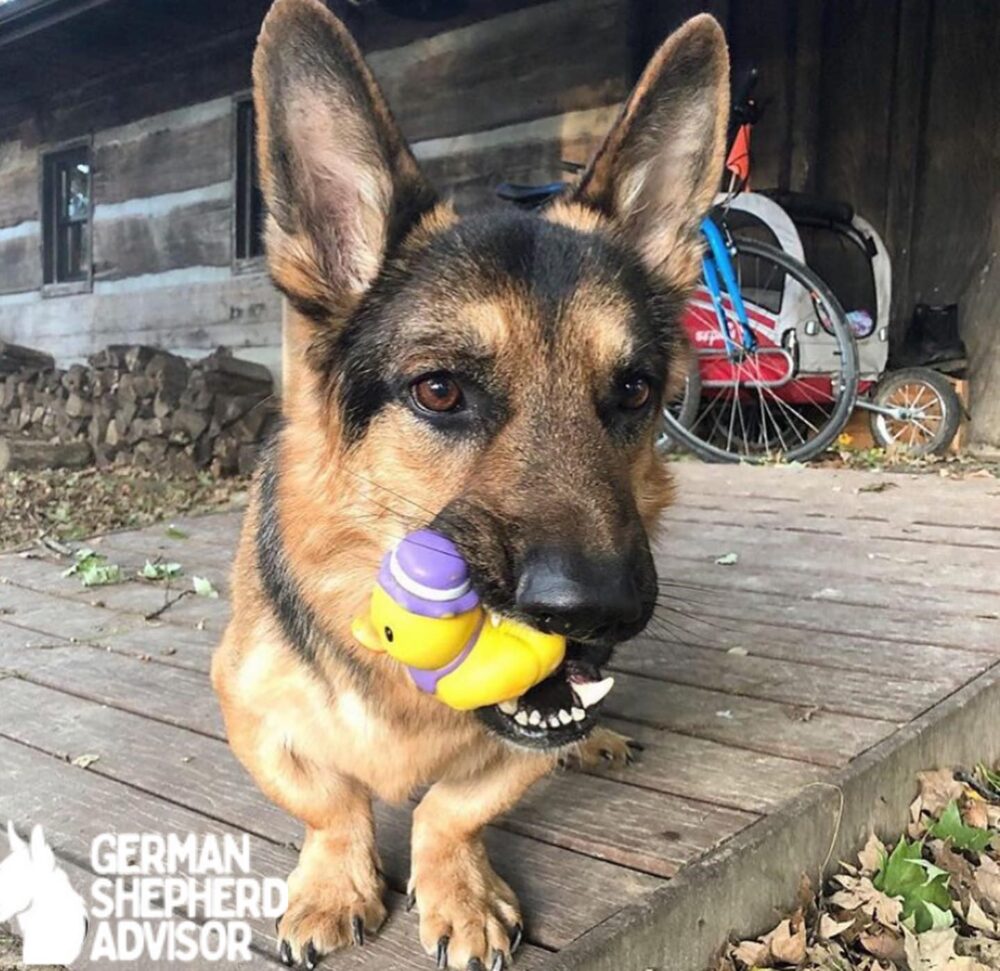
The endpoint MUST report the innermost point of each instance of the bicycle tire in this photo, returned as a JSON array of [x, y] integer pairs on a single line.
[[836, 326]]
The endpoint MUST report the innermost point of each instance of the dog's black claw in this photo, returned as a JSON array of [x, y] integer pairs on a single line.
[[516, 938], [499, 961], [358, 930], [607, 755], [312, 956], [633, 744], [442, 953], [474, 965], [411, 900], [285, 954]]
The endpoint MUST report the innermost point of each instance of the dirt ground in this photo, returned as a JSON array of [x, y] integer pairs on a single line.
[[65, 505]]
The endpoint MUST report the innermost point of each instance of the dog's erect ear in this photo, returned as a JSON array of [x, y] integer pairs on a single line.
[[41, 853], [15, 841], [660, 166], [340, 183]]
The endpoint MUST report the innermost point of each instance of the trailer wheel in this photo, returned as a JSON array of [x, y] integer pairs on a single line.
[[931, 412]]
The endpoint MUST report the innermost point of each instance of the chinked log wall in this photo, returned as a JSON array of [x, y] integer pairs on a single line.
[[501, 98]]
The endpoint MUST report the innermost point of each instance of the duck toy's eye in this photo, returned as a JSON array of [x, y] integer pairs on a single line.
[[388, 634]]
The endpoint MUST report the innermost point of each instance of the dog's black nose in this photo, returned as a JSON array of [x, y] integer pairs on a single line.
[[577, 595]]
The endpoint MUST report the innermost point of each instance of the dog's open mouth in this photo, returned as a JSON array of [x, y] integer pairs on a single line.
[[558, 711]]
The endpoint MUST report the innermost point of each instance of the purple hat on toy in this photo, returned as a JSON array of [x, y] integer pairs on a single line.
[[426, 575]]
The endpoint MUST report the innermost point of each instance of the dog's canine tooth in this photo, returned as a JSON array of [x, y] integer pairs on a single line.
[[578, 714], [494, 618], [508, 707], [521, 718], [564, 716], [589, 693]]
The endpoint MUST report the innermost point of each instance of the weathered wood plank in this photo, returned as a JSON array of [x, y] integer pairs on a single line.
[[710, 771], [789, 731], [179, 150], [201, 774], [189, 235], [20, 258], [845, 691], [191, 309], [537, 61]]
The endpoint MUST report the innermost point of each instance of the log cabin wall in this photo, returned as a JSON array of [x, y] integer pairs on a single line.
[[890, 104]]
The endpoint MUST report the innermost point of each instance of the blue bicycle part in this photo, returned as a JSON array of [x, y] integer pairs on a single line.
[[718, 262]]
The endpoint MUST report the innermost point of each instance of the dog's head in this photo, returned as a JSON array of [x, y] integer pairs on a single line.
[[498, 375]]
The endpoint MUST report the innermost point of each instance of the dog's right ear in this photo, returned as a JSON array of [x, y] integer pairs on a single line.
[[340, 182]]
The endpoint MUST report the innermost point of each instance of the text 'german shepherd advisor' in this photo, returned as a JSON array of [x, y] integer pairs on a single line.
[[496, 376]]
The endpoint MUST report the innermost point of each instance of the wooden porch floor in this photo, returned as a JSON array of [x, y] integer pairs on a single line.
[[858, 601]]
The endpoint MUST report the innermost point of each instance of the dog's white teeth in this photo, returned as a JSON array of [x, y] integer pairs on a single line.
[[494, 619], [535, 718], [554, 721], [589, 693], [521, 718], [578, 714], [508, 707], [564, 716]]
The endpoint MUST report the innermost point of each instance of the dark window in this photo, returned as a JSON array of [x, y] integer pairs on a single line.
[[249, 201], [66, 215]]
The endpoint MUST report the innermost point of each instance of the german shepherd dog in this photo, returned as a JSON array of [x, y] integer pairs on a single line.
[[496, 376]]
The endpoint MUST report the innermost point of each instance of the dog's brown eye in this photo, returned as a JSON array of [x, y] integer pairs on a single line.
[[635, 393], [438, 393]]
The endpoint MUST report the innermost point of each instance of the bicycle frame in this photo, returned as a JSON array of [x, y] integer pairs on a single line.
[[715, 263]]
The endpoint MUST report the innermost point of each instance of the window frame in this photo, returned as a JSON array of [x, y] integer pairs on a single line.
[[241, 264], [56, 288]]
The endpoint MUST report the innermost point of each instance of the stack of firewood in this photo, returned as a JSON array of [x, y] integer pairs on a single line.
[[133, 404]]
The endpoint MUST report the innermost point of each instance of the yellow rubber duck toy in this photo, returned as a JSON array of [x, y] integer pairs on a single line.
[[425, 614]]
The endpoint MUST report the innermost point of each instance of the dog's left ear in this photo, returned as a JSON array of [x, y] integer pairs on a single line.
[[659, 168], [340, 182]]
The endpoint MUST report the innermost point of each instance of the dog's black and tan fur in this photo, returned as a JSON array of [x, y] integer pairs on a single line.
[[551, 339]]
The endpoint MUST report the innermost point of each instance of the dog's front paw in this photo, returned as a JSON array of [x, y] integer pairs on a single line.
[[602, 748], [331, 903], [469, 917]]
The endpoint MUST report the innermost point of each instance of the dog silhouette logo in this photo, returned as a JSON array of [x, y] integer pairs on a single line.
[[51, 915]]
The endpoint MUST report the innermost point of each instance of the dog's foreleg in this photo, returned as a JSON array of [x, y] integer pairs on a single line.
[[467, 912], [335, 891]]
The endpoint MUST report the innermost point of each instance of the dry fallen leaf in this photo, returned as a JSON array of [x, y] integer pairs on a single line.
[[830, 928], [935, 951], [872, 856], [752, 954], [977, 918], [938, 788], [987, 877], [859, 893], [86, 760], [788, 940], [974, 814], [883, 943]]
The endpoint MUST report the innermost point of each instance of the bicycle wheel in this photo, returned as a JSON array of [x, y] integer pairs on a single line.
[[791, 396], [929, 412], [683, 407]]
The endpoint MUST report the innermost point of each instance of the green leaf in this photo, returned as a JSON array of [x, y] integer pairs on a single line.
[[100, 574], [173, 532], [950, 827], [82, 557], [160, 571], [921, 886], [203, 587]]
